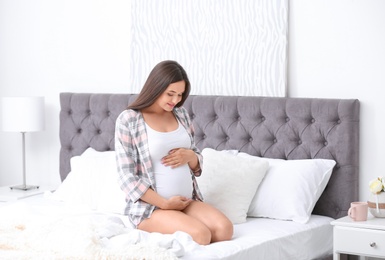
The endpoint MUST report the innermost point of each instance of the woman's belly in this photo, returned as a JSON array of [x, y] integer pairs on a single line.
[[173, 182]]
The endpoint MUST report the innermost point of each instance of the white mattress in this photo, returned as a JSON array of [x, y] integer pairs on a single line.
[[273, 239], [47, 221]]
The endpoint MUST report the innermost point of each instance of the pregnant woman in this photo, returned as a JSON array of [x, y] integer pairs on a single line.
[[158, 161]]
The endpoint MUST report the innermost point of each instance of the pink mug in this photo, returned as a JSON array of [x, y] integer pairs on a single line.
[[358, 211]]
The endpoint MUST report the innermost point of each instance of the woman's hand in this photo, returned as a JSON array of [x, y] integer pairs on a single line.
[[177, 203], [178, 157]]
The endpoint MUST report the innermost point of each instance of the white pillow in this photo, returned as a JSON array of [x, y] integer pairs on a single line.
[[290, 188], [229, 182], [93, 182]]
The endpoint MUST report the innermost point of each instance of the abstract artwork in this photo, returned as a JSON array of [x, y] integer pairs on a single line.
[[228, 47]]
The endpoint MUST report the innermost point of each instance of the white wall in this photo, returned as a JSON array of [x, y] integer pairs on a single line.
[[53, 46], [337, 50], [50, 46]]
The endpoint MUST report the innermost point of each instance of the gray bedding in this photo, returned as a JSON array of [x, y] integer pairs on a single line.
[[285, 128]]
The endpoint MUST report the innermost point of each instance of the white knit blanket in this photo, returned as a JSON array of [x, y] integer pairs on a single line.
[[55, 233]]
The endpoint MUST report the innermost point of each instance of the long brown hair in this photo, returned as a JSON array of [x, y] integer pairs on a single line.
[[161, 76]]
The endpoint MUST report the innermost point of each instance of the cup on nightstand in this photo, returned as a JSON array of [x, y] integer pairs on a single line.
[[358, 211]]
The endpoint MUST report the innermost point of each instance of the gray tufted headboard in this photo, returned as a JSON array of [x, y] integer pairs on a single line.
[[286, 128]]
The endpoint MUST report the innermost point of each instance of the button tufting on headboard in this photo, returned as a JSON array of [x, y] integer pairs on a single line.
[[286, 128]]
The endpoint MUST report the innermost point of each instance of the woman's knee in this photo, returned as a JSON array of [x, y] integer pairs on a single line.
[[201, 234], [223, 231]]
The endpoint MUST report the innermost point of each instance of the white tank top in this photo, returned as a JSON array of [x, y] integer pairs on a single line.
[[169, 182]]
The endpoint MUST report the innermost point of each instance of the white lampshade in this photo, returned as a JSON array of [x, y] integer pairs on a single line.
[[22, 114]]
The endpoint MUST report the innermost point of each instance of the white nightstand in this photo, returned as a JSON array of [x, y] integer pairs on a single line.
[[364, 238], [7, 194]]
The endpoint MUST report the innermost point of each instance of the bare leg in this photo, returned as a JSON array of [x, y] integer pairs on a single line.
[[170, 221], [219, 225]]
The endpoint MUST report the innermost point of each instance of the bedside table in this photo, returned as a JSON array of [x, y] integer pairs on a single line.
[[365, 238], [7, 194]]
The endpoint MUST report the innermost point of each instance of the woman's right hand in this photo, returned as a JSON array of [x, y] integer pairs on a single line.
[[177, 203]]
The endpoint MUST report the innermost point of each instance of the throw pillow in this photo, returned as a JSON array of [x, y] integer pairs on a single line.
[[229, 182]]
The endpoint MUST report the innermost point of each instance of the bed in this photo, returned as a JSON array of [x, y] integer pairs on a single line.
[[296, 163]]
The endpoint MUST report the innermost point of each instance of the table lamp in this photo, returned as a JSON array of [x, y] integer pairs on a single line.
[[22, 114]]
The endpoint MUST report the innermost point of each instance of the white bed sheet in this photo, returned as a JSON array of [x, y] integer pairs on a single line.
[[260, 238], [39, 227], [106, 235]]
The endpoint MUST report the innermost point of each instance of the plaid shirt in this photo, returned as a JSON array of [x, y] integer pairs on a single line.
[[135, 169]]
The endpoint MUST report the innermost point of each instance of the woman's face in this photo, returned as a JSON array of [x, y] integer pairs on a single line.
[[171, 96]]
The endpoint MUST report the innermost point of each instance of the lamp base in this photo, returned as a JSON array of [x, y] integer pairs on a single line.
[[23, 187]]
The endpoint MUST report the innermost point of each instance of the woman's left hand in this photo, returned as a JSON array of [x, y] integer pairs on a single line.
[[178, 157]]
